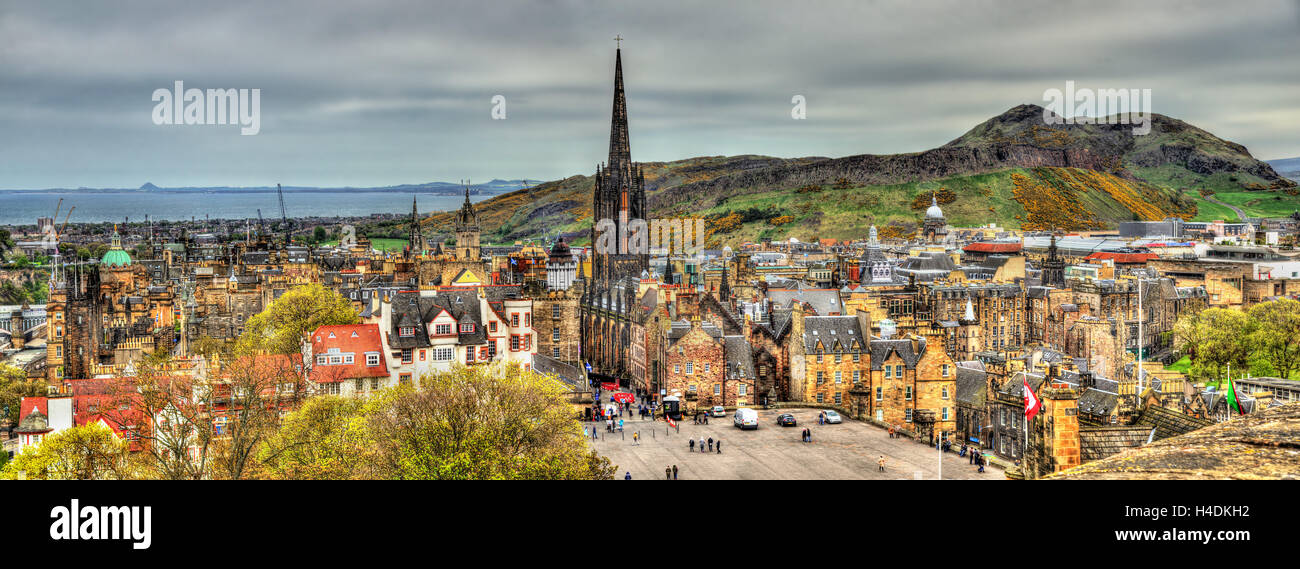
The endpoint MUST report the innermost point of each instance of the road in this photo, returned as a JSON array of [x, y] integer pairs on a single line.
[[846, 451], [1241, 215]]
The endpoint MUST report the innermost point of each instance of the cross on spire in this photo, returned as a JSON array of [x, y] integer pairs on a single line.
[[619, 41]]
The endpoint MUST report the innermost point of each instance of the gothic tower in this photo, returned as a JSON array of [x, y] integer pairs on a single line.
[[1053, 267], [619, 197], [467, 231], [414, 240]]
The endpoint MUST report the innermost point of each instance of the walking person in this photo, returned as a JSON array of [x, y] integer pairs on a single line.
[[674, 472], [881, 462], [668, 474], [701, 444], [719, 446], [710, 444], [636, 438], [627, 476], [692, 442]]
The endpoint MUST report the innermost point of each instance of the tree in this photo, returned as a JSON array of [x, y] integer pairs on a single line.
[[13, 388], [89, 452], [319, 234], [280, 328], [1215, 338], [1277, 334], [482, 422], [6, 243], [251, 391]]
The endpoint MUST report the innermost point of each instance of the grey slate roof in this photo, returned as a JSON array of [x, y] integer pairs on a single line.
[[833, 332]]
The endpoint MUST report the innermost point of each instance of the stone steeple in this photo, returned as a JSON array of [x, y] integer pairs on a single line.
[[619, 197], [414, 241], [467, 231]]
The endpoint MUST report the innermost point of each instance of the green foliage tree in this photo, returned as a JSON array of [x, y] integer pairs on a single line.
[[1276, 334], [482, 422], [14, 387], [319, 234], [279, 329], [1215, 338], [89, 452]]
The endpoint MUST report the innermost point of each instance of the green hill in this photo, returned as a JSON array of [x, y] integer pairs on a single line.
[[1013, 170]]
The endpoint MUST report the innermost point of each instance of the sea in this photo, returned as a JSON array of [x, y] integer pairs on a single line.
[[23, 208]]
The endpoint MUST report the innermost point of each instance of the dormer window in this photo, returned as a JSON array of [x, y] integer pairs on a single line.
[[406, 331], [442, 329], [467, 328]]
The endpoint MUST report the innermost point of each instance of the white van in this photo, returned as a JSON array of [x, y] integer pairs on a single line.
[[746, 418]]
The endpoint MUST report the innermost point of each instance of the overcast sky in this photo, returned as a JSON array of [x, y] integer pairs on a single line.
[[377, 93]]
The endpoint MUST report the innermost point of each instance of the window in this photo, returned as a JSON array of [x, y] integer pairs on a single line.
[[821, 377], [908, 393], [838, 377], [528, 320], [898, 371], [406, 356], [945, 413], [492, 327], [838, 358], [555, 353], [907, 415], [945, 371], [335, 360], [514, 320], [857, 375], [819, 356], [555, 311], [857, 358], [838, 398], [404, 379], [555, 335], [421, 355], [717, 389], [514, 342], [374, 384], [347, 359], [690, 368], [742, 390], [467, 328], [706, 367], [406, 331], [444, 354], [320, 360], [372, 359], [945, 392], [528, 342], [880, 394], [492, 349], [360, 385], [469, 356], [889, 372], [442, 329], [821, 397], [330, 388], [677, 368]]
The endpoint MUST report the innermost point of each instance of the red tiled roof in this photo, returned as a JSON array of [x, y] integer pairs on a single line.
[[1122, 258], [29, 404], [990, 247], [356, 339]]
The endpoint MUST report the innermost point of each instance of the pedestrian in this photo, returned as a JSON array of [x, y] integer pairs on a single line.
[[668, 474], [674, 472], [881, 462], [981, 463], [620, 425], [719, 446], [584, 433], [821, 418], [701, 444], [627, 476], [636, 438], [710, 444], [809, 435], [891, 432], [692, 441]]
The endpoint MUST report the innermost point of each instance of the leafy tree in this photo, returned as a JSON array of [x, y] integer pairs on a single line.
[[14, 387], [1215, 338], [482, 422], [1277, 334], [279, 329], [6, 243], [89, 452], [319, 235]]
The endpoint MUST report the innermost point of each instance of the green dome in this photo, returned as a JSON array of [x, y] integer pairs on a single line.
[[116, 258]]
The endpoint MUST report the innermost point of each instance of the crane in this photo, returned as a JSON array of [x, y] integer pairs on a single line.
[[65, 221], [284, 217]]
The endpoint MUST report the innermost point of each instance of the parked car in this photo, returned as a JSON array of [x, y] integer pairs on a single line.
[[719, 411], [785, 420], [746, 418], [833, 417]]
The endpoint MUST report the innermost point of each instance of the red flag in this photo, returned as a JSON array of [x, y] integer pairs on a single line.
[[1032, 404]]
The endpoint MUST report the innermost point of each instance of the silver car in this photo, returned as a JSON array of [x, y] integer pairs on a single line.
[[833, 417]]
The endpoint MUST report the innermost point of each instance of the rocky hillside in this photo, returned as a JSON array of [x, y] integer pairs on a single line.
[[999, 171]]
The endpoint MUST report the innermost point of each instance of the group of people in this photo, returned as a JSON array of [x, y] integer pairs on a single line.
[[807, 435], [976, 458], [711, 444]]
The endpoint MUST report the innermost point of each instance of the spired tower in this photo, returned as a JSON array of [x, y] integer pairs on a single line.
[[619, 197], [467, 231], [935, 228], [1053, 266], [414, 240]]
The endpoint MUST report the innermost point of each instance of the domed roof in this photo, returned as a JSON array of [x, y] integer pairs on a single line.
[[116, 258], [934, 210]]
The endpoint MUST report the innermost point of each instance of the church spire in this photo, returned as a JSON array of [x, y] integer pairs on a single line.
[[620, 151]]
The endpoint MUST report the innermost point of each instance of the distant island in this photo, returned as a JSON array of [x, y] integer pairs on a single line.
[[495, 186]]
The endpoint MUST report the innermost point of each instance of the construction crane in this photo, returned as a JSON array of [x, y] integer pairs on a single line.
[[65, 221], [284, 217]]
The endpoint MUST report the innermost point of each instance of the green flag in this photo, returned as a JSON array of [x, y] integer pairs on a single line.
[[1232, 397]]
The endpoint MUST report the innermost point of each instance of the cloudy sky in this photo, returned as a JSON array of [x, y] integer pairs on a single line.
[[377, 93]]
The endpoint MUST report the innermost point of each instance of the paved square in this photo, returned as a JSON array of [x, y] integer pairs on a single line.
[[772, 452]]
